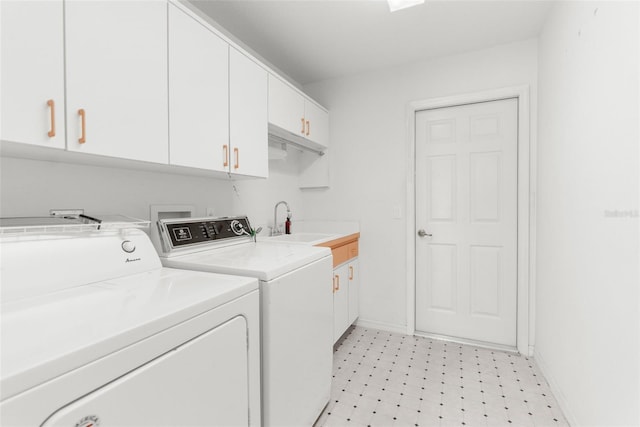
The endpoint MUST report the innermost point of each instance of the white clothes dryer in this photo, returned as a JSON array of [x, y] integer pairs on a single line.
[[296, 302], [95, 332]]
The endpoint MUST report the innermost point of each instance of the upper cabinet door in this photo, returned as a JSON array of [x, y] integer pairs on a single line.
[[248, 116], [297, 115], [117, 78], [32, 72], [198, 95], [286, 107], [316, 123]]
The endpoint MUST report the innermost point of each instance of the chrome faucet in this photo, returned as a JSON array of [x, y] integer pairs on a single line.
[[276, 231]]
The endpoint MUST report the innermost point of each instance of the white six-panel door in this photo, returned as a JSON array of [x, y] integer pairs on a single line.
[[466, 205]]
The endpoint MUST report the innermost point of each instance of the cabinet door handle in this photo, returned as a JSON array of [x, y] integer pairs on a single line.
[[302, 131], [337, 282], [350, 272], [83, 121], [225, 149], [52, 111], [308, 128], [236, 151]]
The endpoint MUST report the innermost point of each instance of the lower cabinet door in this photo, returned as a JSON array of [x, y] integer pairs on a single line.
[[340, 301], [354, 290]]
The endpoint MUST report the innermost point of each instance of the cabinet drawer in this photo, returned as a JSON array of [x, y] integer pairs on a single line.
[[343, 249], [352, 248], [344, 253], [340, 255]]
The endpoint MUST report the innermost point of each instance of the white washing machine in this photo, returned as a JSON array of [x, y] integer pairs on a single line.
[[95, 332], [296, 302]]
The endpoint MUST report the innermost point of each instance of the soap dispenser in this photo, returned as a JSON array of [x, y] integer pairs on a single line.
[[287, 225]]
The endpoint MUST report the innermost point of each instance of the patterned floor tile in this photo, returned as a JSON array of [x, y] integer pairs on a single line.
[[386, 379]]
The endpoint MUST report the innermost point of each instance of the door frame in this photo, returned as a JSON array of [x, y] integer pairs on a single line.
[[526, 205]]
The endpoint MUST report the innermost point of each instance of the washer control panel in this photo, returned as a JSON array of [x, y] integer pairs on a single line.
[[193, 231]]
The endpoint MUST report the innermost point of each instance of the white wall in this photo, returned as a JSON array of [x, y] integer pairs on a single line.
[[369, 156], [587, 260], [32, 187], [257, 198]]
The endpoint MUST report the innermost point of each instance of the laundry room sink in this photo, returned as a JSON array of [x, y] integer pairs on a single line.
[[309, 238]]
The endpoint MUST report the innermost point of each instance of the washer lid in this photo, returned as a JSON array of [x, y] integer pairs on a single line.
[[263, 260], [49, 335]]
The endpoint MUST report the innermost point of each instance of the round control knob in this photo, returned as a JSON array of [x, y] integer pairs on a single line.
[[237, 227], [128, 246]]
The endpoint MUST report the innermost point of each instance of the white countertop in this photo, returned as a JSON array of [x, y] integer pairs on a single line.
[[341, 228], [316, 232]]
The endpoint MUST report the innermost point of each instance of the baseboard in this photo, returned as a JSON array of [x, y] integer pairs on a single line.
[[555, 389], [389, 327], [474, 343]]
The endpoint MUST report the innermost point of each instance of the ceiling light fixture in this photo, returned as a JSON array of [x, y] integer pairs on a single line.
[[403, 4]]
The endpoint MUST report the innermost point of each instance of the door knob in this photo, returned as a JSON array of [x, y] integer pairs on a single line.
[[423, 233]]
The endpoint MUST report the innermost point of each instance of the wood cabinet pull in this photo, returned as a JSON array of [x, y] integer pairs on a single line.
[[83, 121], [236, 151], [308, 128], [225, 149], [350, 272], [302, 131], [52, 111]]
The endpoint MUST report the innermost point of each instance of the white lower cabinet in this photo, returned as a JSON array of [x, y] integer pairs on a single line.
[[345, 297], [346, 282], [340, 301], [354, 290]]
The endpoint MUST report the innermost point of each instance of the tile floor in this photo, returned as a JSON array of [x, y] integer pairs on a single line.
[[387, 379]]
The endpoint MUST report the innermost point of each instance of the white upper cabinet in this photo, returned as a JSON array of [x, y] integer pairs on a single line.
[[198, 95], [286, 107], [303, 121], [316, 123], [149, 81], [117, 97], [248, 116], [32, 72]]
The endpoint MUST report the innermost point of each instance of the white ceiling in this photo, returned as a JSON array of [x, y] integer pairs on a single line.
[[313, 40]]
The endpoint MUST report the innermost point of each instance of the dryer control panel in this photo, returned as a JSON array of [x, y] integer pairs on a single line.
[[179, 233]]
